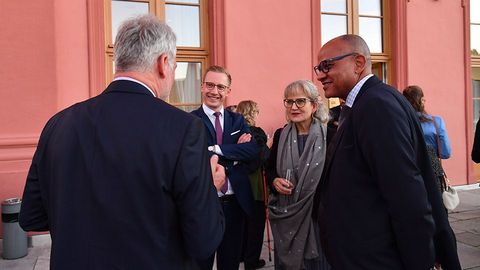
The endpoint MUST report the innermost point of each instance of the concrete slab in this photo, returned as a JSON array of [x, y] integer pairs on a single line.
[[469, 256], [469, 238]]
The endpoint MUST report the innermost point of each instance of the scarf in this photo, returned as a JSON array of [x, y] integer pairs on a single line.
[[291, 215]]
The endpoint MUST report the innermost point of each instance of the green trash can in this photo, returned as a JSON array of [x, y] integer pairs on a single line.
[[15, 244]]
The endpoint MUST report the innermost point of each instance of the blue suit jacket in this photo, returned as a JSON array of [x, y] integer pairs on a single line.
[[237, 174], [123, 181]]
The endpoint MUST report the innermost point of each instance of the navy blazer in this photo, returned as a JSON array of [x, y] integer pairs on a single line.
[[233, 127], [123, 181], [378, 192]]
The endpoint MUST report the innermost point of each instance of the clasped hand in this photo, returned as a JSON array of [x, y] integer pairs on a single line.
[[283, 186]]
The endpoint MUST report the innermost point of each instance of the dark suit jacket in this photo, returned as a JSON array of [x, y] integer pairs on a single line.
[[123, 181], [233, 152], [476, 144], [378, 189]]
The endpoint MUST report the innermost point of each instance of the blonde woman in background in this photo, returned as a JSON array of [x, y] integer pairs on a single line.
[[255, 224], [293, 170]]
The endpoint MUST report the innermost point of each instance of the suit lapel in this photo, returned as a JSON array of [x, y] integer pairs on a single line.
[[227, 126], [208, 124], [338, 136]]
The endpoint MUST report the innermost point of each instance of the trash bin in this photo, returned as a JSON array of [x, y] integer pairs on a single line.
[[14, 238]]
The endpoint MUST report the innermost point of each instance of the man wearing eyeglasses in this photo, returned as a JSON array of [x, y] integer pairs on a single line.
[[228, 137], [377, 200]]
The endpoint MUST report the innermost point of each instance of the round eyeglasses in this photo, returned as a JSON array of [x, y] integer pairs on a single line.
[[220, 87], [299, 102]]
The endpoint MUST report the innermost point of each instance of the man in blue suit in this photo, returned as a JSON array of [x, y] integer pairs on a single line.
[[378, 203], [122, 180], [229, 137]]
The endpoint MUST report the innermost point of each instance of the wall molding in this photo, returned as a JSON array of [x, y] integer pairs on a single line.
[[399, 43], [96, 50], [468, 91], [18, 142], [17, 148], [216, 10]]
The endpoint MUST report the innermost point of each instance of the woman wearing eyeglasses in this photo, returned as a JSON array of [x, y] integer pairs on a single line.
[[293, 170]]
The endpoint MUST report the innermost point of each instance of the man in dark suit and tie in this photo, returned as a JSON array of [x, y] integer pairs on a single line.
[[123, 180], [378, 206], [229, 137]]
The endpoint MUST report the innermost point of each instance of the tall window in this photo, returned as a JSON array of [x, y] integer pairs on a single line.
[[367, 18], [475, 56], [188, 19]]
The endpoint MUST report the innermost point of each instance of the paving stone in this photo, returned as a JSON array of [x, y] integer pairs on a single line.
[[470, 225], [465, 215], [469, 256], [469, 238], [42, 264]]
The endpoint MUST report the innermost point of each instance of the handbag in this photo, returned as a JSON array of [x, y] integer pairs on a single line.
[[449, 194]]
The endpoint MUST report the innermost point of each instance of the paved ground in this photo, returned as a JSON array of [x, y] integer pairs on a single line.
[[465, 221]]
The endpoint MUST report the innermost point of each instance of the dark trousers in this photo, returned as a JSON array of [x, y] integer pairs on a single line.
[[229, 251], [253, 239]]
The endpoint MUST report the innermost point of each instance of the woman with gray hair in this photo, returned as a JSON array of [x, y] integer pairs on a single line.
[[293, 170]]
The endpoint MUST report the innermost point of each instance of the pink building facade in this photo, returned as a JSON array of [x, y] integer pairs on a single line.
[[52, 55]]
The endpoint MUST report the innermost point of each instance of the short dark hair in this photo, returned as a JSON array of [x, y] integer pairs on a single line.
[[219, 69]]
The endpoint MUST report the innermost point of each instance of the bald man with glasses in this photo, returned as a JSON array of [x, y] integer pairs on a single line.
[[378, 206]]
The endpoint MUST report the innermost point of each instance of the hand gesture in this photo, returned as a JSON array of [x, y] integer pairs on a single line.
[[218, 172], [244, 138]]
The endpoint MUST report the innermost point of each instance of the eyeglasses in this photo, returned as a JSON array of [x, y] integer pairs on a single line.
[[327, 64], [300, 102], [220, 87]]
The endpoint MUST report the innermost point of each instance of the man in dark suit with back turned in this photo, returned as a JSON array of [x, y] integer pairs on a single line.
[[377, 202], [123, 180], [229, 137]]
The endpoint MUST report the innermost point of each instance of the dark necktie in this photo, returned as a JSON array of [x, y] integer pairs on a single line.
[[219, 133], [218, 128]]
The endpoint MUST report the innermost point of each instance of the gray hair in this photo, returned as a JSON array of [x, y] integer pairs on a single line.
[[139, 43], [311, 92]]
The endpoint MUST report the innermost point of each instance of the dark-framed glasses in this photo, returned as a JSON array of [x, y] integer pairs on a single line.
[[327, 64], [300, 102], [220, 87]]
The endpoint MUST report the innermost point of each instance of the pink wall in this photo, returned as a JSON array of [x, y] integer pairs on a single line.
[[267, 47], [435, 62], [43, 51]]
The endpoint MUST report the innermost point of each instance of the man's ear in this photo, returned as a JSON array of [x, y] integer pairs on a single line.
[[162, 63], [360, 63]]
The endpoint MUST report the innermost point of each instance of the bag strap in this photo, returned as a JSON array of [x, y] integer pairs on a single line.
[[446, 182]]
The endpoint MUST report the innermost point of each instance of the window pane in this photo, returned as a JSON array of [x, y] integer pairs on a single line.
[[370, 7], [183, 1], [122, 10], [189, 108], [188, 77], [475, 39], [476, 95], [333, 26], [185, 22], [475, 11], [370, 29], [380, 70], [337, 6]]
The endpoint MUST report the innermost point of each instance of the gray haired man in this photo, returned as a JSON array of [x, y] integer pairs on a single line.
[[123, 180]]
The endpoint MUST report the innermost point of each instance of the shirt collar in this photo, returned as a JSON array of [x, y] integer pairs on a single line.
[[356, 89], [125, 78], [210, 112]]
